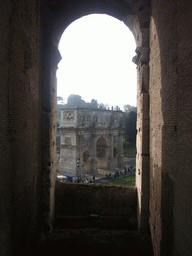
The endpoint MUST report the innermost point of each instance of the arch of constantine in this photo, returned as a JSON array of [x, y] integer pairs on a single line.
[[29, 37], [91, 139]]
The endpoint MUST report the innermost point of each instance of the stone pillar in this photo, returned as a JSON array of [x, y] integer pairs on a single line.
[[110, 152], [142, 158], [93, 162], [80, 154], [51, 58], [120, 150]]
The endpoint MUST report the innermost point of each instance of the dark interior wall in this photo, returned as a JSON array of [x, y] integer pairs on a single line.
[[20, 105], [5, 149], [170, 119], [183, 178], [20, 112], [83, 200]]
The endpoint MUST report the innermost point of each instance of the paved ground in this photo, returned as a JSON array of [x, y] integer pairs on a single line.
[[101, 178]]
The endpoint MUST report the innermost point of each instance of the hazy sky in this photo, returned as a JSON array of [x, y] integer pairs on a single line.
[[97, 52]]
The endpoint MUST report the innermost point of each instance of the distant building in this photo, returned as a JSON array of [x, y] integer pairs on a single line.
[[91, 139]]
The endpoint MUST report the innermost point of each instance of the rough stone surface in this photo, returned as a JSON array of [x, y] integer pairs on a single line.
[[82, 199], [29, 37], [20, 130]]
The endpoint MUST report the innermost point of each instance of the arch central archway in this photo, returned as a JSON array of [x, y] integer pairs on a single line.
[[56, 17], [101, 145]]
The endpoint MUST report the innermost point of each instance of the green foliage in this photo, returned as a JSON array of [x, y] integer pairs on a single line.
[[103, 106], [59, 100], [58, 138], [94, 104], [130, 127], [126, 181], [128, 108], [130, 151], [77, 101]]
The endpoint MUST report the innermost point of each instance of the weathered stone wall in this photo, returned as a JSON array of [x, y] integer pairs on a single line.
[[27, 109], [170, 119], [156, 124], [183, 176], [82, 200], [20, 114]]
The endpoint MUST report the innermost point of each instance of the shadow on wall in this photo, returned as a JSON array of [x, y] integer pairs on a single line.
[[163, 138], [83, 200]]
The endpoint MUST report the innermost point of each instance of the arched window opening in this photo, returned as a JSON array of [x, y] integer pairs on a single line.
[[97, 53], [115, 152], [96, 72], [101, 147]]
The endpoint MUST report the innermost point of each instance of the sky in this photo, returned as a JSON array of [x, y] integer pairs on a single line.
[[97, 52]]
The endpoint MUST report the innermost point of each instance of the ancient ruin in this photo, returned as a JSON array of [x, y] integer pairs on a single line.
[[91, 139], [29, 37]]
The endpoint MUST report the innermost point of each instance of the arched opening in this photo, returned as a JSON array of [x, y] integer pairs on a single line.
[[115, 152], [101, 148], [101, 152], [138, 23], [98, 73], [97, 52]]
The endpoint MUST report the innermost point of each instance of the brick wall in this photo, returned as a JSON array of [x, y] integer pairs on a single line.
[[183, 176], [20, 125], [5, 149], [170, 119], [21, 120], [82, 200]]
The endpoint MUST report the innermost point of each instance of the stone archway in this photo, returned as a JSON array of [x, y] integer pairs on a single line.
[[101, 145], [101, 152], [56, 17], [115, 152]]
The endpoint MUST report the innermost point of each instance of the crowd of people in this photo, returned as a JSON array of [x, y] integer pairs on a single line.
[[74, 179], [117, 174]]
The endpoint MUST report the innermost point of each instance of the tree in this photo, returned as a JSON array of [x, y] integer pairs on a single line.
[[130, 127], [75, 101], [128, 108], [102, 106], [117, 108], [94, 104], [59, 100]]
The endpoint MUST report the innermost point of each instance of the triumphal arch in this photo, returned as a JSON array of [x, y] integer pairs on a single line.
[[91, 139], [29, 37]]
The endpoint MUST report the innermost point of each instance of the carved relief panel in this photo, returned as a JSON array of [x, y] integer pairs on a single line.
[[68, 115], [65, 140]]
